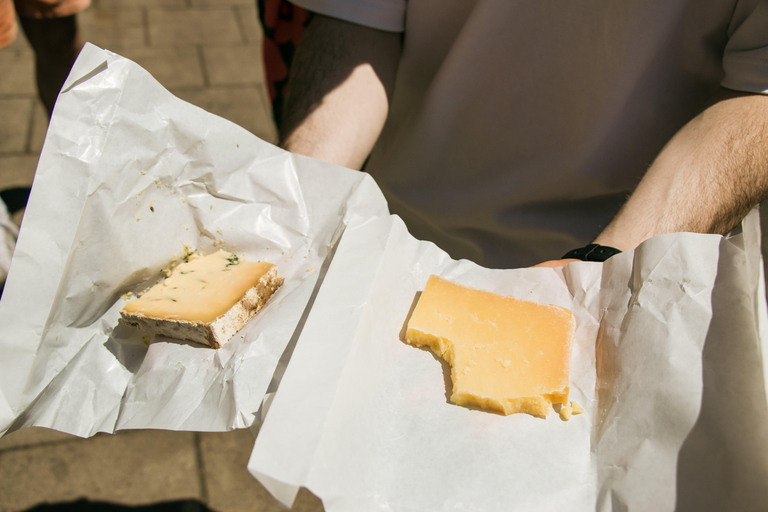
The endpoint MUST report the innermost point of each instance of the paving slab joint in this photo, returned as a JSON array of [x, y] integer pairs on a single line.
[[201, 469]]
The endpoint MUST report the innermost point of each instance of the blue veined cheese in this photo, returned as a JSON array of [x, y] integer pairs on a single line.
[[206, 299]]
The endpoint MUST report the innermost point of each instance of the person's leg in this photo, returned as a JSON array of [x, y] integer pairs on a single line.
[[51, 28], [56, 43]]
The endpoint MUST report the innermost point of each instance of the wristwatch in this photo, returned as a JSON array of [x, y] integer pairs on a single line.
[[592, 252]]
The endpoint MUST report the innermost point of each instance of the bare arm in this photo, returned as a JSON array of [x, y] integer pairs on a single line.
[[705, 180], [338, 92]]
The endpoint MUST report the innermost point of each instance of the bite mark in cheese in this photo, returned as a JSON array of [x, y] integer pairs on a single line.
[[207, 299], [506, 354]]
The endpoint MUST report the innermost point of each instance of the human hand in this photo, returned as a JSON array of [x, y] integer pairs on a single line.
[[555, 263]]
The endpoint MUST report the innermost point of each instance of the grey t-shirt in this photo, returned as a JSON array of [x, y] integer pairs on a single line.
[[518, 128]]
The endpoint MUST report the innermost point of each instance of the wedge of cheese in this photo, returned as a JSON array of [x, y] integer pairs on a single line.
[[207, 299], [506, 354]]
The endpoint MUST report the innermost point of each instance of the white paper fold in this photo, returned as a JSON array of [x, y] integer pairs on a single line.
[[363, 420], [129, 175]]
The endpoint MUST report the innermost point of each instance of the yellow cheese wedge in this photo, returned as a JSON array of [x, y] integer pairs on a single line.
[[506, 354], [207, 299]]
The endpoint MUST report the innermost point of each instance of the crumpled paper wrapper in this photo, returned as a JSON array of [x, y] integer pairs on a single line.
[[129, 177], [668, 365]]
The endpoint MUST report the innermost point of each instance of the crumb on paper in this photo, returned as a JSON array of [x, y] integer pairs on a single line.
[[211, 207], [309, 269], [189, 253], [571, 410], [219, 231], [143, 172], [218, 242], [186, 228], [126, 296], [183, 199], [138, 218], [146, 339], [169, 269], [152, 206]]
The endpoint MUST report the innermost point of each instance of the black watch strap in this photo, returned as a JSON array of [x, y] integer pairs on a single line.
[[592, 252]]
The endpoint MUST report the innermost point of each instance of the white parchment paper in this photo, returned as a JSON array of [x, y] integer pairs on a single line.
[[129, 175], [669, 346]]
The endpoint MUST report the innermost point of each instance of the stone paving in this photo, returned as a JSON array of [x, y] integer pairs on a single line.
[[206, 52]]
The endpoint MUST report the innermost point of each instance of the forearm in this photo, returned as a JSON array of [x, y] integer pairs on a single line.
[[705, 180], [338, 91]]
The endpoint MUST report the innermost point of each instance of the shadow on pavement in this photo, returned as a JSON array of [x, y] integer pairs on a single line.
[[84, 505]]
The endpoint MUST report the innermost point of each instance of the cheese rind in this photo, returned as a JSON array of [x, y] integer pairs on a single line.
[[506, 354], [206, 300]]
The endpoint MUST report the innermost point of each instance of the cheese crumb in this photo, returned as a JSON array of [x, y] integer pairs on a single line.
[[189, 253], [171, 265], [571, 410]]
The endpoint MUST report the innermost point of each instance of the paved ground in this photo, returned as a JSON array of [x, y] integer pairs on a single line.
[[206, 52]]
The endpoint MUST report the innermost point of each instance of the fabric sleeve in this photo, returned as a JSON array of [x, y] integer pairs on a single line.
[[745, 60], [386, 15]]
